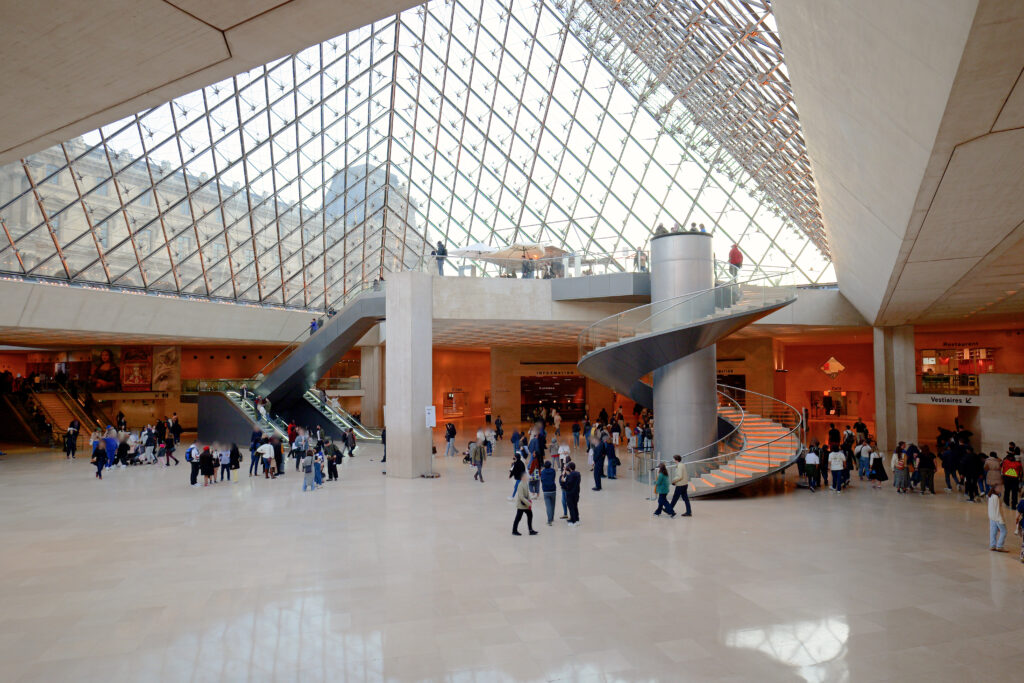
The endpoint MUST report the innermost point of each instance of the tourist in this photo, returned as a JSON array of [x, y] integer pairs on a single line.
[[996, 525], [576, 435], [523, 507], [499, 430], [384, 446], [331, 455], [970, 469], [661, 488], [318, 468], [834, 438], [235, 457], [876, 469], [563, 455], [914, 474], [478, 454], [449, 438], [993, 469], [863, 453], [533, 468], [573, 481], [735, 260], [836, 465], [681, 482], [307, 471], [900, 475], [224, 459], [298, 446], [598, 461], [515, 472], [926, 466], [441, 253], [266, 452], [175, 428], [70, 443], [561, 484], [556, 420], [948, 457], [207, 467], [547, 486], [811, 463], [1011, 480], [99, 456], [610, 456]]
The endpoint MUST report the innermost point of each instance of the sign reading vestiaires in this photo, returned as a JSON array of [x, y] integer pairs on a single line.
[[945, 399]]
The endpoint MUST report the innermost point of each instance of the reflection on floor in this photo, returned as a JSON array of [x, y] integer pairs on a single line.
[[140, 577]]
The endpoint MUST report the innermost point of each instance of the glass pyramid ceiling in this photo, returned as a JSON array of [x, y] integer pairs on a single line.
[[298, 182]]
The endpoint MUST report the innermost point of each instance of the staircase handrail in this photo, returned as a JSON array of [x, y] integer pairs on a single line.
[[591, 332], [77, 409], [798, 427]]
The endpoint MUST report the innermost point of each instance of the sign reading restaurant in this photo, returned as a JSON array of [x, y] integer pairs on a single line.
[[944, 399]]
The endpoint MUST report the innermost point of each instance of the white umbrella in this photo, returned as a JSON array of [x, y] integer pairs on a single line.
[[517, 252], [473, 250]]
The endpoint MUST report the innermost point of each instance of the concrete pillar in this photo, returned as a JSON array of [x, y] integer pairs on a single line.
[[685, 401], [408, 376], [370, 375], [895, 418]]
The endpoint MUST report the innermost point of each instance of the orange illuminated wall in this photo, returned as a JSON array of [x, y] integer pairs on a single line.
[[14, 362], [803, 363], [1009, 345], [203, 362], [465, 370]]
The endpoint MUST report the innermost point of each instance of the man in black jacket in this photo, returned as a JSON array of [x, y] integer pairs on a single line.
[[599, 452], [572, 493]]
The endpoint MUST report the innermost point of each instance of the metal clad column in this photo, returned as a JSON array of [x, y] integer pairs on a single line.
[[685, 399]]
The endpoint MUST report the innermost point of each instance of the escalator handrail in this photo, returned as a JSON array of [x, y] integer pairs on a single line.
[[343, 416]]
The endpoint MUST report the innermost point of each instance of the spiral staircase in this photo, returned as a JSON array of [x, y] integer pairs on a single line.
[[620, 351]]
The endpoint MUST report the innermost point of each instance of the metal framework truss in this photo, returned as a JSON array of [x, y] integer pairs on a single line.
[[464, 121], [712, 70]]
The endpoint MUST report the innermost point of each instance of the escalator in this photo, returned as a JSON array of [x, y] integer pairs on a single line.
[[341, 418], [287, 383], [228, 417]]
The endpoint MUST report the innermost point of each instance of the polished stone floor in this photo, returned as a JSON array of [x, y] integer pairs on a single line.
[[142, 578]]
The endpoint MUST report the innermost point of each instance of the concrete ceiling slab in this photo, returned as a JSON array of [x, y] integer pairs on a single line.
[[224, 15], [871, 80], [70, 66]]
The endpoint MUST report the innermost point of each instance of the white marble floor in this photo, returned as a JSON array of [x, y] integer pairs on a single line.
[[142, 578]]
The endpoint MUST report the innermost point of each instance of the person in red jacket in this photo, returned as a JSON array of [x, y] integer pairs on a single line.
[[735, 259]]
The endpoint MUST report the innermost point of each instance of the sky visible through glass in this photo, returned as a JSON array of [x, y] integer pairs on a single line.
[[298, 182]]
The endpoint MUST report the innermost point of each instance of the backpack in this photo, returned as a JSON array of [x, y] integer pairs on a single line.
[[190, 454]]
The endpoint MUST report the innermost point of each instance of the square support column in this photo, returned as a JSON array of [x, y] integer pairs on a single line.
[[409, 372], [370, 365], [895, 418]]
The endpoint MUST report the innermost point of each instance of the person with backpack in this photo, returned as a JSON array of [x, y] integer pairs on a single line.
[[192, 458], [307, 471], [449, 437], [900, 474], [331, 455], [1011, 480], [863, 453]]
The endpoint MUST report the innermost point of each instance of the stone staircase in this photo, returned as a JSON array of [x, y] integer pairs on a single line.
[[768, 445]]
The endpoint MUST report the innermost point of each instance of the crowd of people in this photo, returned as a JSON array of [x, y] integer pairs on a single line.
[[540, 468], [972, 476]]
